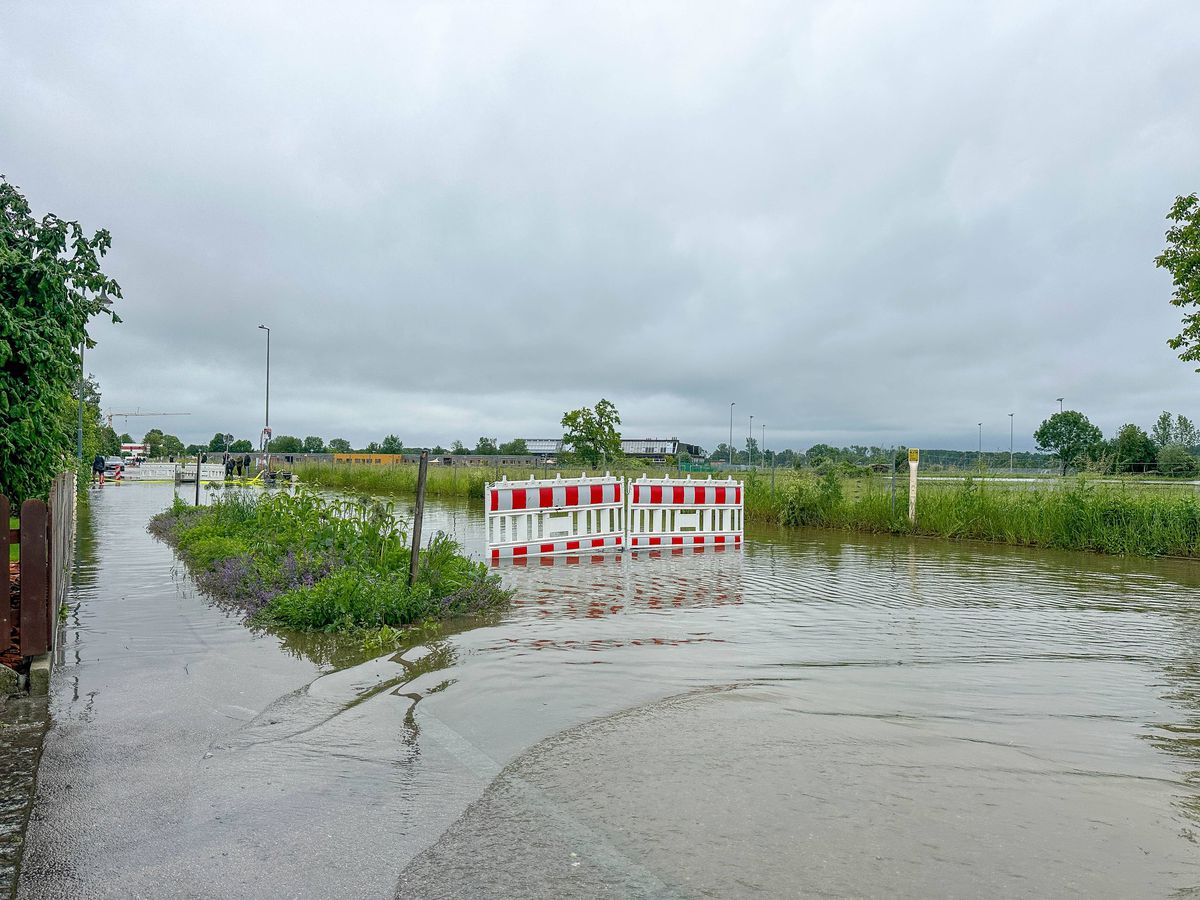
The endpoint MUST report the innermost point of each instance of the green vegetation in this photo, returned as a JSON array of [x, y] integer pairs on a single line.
[[591, 435], [1182, 259], [51, 286], [1068, 435], [1076, 516], [313, 564]]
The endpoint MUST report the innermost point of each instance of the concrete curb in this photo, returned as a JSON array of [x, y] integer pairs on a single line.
[[39, 675]]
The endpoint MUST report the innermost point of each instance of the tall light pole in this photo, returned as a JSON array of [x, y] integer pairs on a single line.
[[731, 405], [1060, 400], [1010, 443], [762, 448], [750, 443], [267, 408], [981, 445]]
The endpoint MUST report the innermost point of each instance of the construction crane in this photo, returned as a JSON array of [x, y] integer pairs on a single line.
[[125, 415]]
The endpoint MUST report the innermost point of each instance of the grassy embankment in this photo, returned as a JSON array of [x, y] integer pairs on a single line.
[[312, 564], [1136, 518]]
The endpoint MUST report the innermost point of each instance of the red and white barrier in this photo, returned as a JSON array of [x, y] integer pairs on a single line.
[[557, 515], [673, 512]]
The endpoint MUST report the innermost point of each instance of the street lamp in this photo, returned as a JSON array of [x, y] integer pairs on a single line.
[[750, 443], [762, 448], [981, 445], [267, 409], [1060, 400], [1010, 443], [731, 405]]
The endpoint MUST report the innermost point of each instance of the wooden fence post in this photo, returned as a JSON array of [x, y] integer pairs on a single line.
[[5, 583], [35, 578], [418, 515]]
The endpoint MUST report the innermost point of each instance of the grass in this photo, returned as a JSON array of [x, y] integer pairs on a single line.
[[314, 564], [1080, 515]]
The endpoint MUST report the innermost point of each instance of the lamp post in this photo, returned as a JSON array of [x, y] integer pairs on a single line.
[[1060, 400], [981, 445], [267, 408], [1010, 443], [762, 448], [731, 405], [750, 444]]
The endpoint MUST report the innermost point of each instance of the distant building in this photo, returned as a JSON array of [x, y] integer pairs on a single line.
[[657, 449]]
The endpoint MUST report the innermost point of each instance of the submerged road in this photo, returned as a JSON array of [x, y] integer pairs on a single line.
[[817, 715], [190, 757]]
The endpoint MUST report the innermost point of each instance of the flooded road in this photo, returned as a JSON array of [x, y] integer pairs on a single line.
[[818, 714]]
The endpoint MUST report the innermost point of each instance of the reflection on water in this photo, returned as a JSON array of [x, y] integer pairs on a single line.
[[838, 713]]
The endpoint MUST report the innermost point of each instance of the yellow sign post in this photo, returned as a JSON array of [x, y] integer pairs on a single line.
[[914, 460]]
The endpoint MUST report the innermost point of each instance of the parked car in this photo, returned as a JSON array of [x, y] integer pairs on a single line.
[[113, 465]]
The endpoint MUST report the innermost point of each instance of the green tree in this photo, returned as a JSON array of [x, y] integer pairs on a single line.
[[591, 435], [220, 442], [391, 444], [438, 450], [1177, 461], [515, 447], [486, 447], [286, 443], [126, 438], [1163, 430], [153, 440], [171, 445], [458, 449], [339, 445], [1133, 450], [1185, 432], [1067, 435], [372, 447], [313, 444], [51, 286], [241, 446], [1182, 259]]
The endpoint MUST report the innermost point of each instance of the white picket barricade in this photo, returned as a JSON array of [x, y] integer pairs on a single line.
[[675, 512], [554, 515]]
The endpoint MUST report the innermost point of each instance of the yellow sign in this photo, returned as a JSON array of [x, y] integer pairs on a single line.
[[914, 455]]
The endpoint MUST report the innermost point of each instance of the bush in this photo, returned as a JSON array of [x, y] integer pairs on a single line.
[[1177, 461], [315, 564]]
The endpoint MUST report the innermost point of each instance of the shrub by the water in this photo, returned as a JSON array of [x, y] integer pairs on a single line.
[[312, 563]]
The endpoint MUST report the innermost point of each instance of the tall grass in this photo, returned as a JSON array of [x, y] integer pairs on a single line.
[[1079, 516]]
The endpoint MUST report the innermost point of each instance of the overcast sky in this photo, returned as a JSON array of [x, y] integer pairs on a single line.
[[864, 223]]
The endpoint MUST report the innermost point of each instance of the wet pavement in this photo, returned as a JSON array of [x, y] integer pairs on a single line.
[[819, 715]]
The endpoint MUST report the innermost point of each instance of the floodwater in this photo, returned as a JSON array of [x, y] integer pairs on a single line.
[[817, 715]]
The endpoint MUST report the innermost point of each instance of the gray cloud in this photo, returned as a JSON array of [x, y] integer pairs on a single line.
[[862, 222]]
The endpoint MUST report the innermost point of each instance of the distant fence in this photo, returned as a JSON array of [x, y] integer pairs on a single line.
[[34, 585]]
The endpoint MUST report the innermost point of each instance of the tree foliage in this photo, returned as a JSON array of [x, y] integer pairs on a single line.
[[591, 434], [339, 445], [313, 444], [1177, 461], [515, 447], [51, 286], [1182, 259], [391, 444], [1068, 435], [286, 443], [1133, 450], [486, 446]]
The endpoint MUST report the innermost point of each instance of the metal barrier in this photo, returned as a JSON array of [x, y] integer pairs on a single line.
[[672, 512], [556, 515]]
